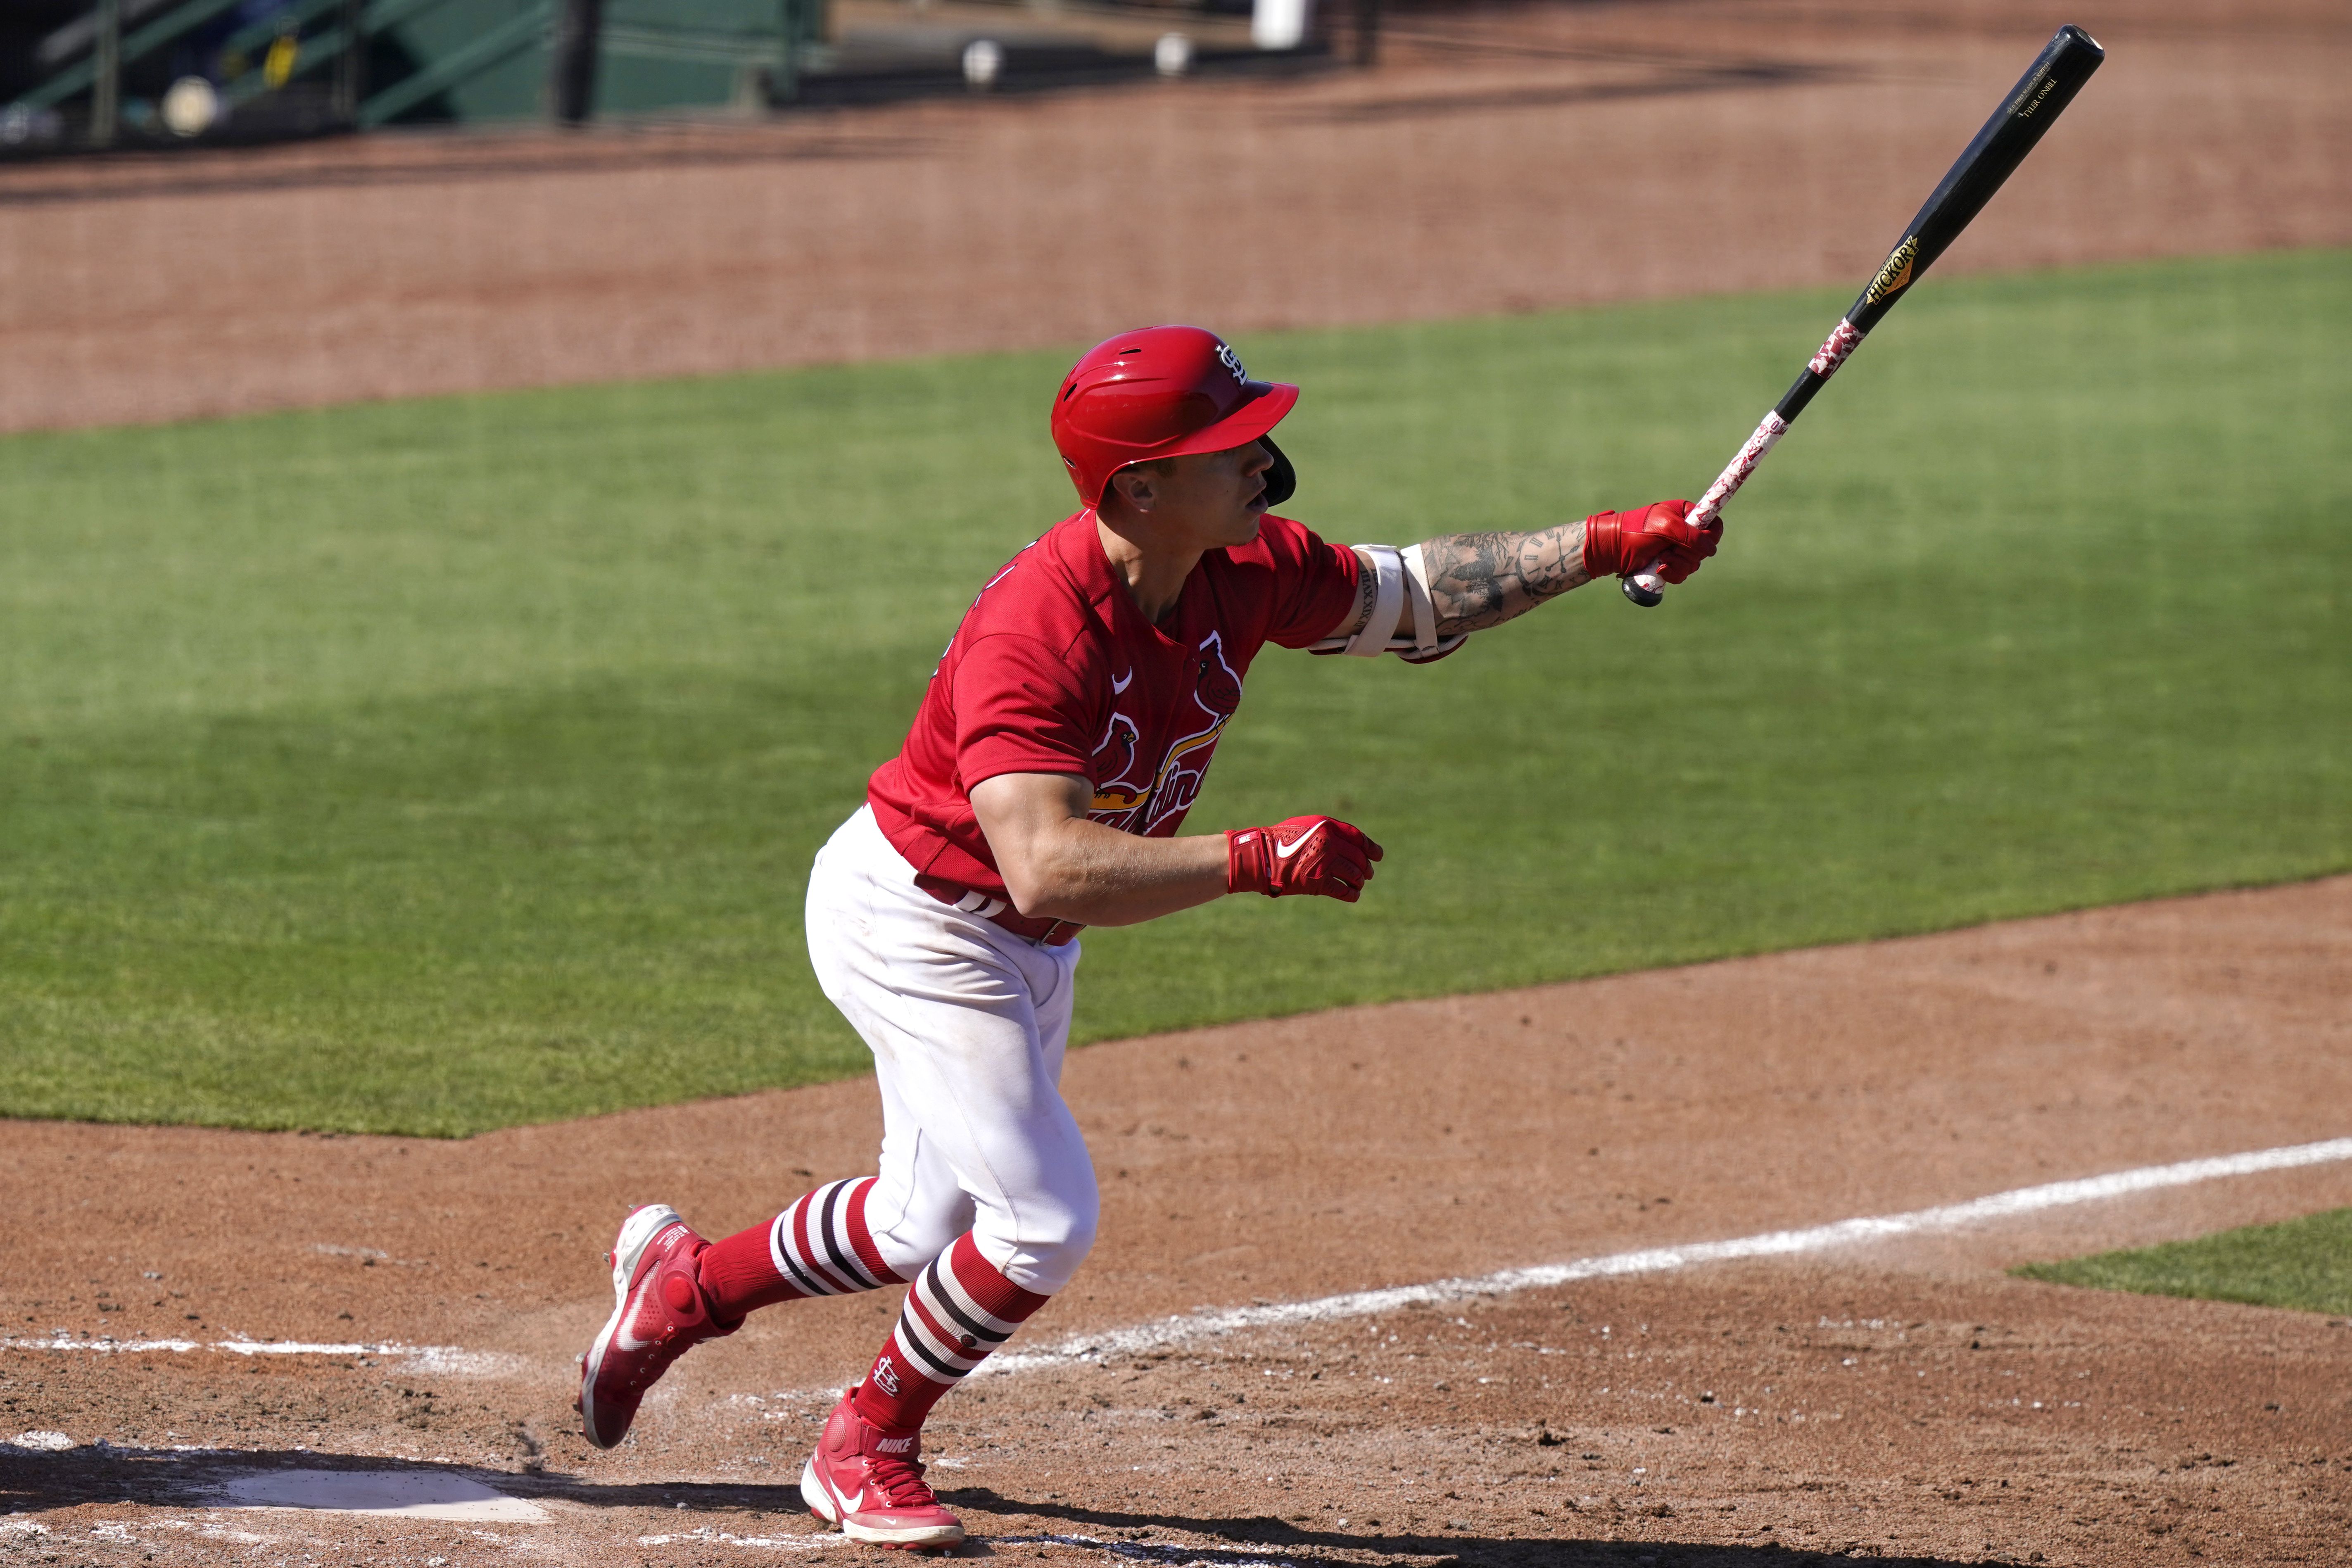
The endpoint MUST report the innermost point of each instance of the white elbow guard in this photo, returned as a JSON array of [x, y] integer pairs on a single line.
[[1400, 588]]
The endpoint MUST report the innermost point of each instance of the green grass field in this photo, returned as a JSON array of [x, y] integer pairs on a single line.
[[2305, 1263], [438, 766]]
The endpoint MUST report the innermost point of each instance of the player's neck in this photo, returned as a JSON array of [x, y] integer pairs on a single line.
[[1154, 569]]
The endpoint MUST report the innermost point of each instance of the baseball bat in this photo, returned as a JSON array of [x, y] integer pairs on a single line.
[[2040, 95]]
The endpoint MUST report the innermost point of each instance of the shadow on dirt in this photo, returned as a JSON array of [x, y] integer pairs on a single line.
[[1728, 77], [448, 161], [195, 1478], [1265, 1539], [101, 1474]]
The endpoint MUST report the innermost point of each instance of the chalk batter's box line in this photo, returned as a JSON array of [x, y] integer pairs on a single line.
[[449, 1359]]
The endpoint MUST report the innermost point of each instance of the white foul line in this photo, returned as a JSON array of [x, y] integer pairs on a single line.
[[1170, 1332]]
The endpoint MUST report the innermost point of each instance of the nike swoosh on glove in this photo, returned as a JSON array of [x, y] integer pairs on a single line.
[[1320, 855], [1620, 543]]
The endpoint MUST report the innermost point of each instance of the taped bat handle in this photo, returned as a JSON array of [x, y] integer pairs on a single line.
[[1646, 587]]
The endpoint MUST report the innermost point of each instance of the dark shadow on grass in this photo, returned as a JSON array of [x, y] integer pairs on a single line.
[[1576, 1541]]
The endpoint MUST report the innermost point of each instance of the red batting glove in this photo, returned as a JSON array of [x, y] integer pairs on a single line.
[[1620, 543], [1320, 855]]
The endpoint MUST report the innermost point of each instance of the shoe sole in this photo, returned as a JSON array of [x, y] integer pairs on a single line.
[[932, 1537], [637, 1232]]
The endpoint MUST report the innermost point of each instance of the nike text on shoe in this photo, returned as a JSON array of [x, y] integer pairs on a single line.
[[864, 1480], [659, 1312]]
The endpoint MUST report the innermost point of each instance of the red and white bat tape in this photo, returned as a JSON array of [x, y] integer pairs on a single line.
[[1727, 483], [1841, 342]]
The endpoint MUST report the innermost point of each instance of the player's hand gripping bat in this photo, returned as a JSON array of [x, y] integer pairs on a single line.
[[2046, 89]]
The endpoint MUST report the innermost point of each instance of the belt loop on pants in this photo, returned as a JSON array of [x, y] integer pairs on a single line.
[[998, 913]]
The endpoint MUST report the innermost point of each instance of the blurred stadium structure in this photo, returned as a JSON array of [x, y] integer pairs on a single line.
[[76, 75]]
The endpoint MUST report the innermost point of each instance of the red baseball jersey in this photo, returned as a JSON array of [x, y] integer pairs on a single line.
[[1054, 670]]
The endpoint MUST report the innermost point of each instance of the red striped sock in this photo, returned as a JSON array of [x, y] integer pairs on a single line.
[[820, 1246], [957, 1311]]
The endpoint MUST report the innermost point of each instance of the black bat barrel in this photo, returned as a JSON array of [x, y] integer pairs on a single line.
[[2048, 86]]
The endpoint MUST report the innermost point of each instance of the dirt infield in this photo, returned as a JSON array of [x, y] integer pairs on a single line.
[[1902, 1400], [1504, 158]]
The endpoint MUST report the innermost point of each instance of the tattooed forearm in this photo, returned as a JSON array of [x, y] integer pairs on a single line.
[[1480, 580]]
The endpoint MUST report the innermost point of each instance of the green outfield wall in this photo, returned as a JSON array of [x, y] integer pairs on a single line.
[[487, 60]]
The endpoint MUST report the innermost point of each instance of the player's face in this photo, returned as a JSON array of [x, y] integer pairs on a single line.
[[1217, 497]]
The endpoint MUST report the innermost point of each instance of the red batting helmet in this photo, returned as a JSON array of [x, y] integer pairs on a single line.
[[1164, 392]]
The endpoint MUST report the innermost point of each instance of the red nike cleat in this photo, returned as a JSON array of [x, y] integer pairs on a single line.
[[659, 1313], [864, 1480]]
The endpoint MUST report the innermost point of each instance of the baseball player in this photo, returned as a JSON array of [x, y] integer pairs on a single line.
[[1062, 737]]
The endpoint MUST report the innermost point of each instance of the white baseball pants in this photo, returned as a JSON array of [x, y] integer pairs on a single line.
[[968, 1024]]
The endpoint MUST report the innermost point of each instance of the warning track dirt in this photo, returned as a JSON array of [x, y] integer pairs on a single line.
[[1505, 158]]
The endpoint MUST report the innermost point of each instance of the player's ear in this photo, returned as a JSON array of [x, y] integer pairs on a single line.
[[1134, 486]]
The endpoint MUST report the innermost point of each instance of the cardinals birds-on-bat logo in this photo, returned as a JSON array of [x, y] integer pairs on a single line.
[[1123, 797], [1118, 790]]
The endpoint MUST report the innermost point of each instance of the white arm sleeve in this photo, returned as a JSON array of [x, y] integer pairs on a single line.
[[1424, 613], [1386, 562], [1401, 590]]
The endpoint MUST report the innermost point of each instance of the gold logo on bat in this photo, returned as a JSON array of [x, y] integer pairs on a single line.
[[1895, 273]]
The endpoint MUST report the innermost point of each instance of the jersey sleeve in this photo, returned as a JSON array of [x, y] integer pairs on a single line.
[[1019, 709], [1317, 583]]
